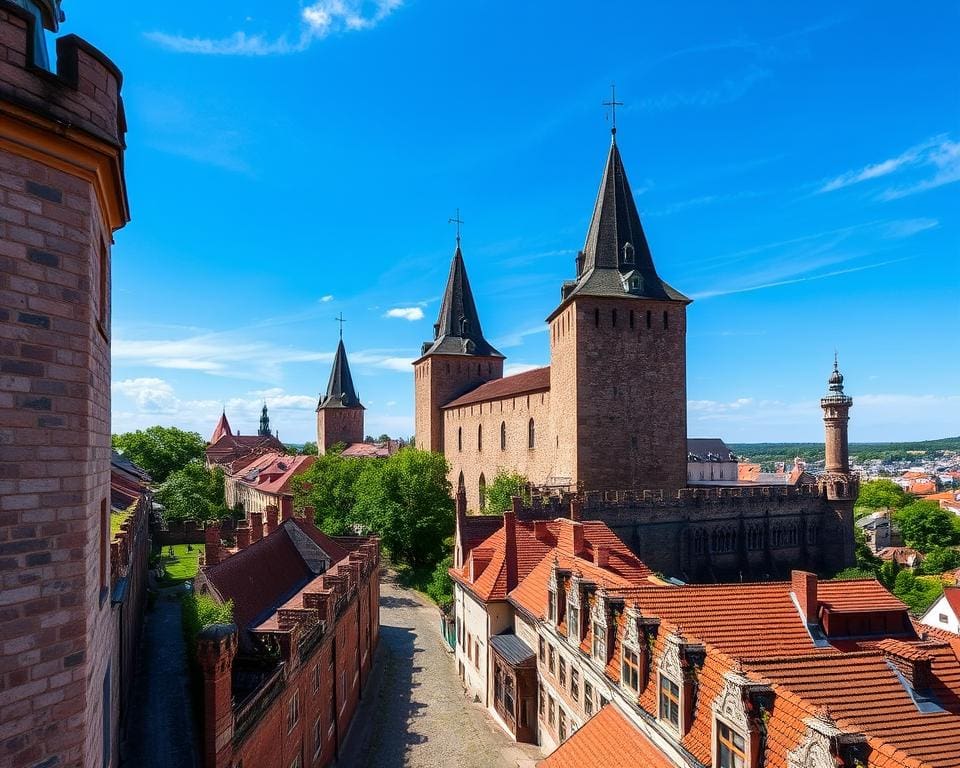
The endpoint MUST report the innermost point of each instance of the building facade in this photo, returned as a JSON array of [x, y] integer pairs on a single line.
[[263, 481], [282, 682], [62, 196]]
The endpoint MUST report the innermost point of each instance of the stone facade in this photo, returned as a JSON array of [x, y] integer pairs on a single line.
[[62, 196]]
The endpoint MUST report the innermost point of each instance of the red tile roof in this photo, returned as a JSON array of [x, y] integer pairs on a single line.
[[222, 428], [520, 384], [607, 740], [272, 472], [953, 598]]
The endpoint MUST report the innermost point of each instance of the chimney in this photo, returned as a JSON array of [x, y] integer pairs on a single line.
[[256, 526], [804, 585], [575, 509], [286, 507], [272, 519], [211, 554], [516, 504], [601, 555], [571, 537], [912, 663], [540, 530], [243, 536], [510, 547]]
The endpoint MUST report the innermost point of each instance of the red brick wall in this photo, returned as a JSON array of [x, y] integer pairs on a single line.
[[438, 379], [338, 425], [56, 629]]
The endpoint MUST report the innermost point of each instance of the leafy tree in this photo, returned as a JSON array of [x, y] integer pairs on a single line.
[[160, 450], [504, 486], [194, 493], [918, 592], [440, 587], [854, 573], [405, 499], [882, 494], [939, 560], [309, 448], [925, 526], [200, 610], [329, 487], [866, 560], [383, 438]]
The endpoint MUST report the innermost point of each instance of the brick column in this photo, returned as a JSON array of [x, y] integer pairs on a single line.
[[216, 647]]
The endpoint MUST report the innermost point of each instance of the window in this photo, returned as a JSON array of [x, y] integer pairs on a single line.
[[553, 661], [317, 738], [562, 727], [649, 319], [459, 438], [613, 317], [480, 436], [552, 606], [104, 317], [575, 684], [943, 619], [599, 641], [461, 486], [631, 318], [596, 317], [508, 693], [587, 697], [562, 676], [731, 747], [503, 436], [573, 623], [531, 434], [669, 701], [543, 651], [483, 492], [469, 646], [551, 710], [293, 711], [476, 654], [631, 669]]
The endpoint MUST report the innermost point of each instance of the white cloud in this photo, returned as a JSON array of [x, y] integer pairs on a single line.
[[327, 298], [515, 338], [728, 90], [405, 313], [317, 21], [909, 227], [938, 152], [512, 369]]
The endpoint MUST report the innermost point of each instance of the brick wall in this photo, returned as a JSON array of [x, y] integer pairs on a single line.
[[338, 425], [57, 636]]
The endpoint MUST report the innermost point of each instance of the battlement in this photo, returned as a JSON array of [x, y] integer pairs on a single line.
[[83, 94]]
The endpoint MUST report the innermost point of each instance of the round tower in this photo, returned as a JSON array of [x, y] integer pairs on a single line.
[[836, 416]]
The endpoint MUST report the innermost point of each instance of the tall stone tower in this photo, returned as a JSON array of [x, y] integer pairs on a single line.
[[618, 356], [264, 430], [458, 359], [62, 196], [838, 483], [339, 413]]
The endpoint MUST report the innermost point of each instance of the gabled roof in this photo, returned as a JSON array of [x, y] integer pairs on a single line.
[[607, 740], [222, 428], [537, 380], [708, 449], [340, 390], [616, 257], [457, 330], [272, 472]]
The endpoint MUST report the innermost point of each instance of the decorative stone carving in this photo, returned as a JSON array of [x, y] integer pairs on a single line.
[[733, 704], [671, 663], [822, 737], [631, 635]]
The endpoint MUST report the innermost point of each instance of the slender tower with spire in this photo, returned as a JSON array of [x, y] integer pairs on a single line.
[[838, 483], [339, 412], [264, 430], [456, 360]]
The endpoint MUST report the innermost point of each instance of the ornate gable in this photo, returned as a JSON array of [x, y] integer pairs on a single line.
[[821, 739]]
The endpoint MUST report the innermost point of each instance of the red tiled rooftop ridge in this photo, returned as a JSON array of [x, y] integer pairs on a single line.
[[536, 380]]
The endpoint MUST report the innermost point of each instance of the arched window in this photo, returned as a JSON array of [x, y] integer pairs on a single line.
[[459, 438], [503, 435], [531, 434], [480, 437], [483, 492], [461, 486]]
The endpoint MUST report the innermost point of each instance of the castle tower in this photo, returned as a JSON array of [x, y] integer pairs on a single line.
[[618, 356], [836, 417], [63, 197], [457, 360], [339, 413], [264, 430], [216, 647]]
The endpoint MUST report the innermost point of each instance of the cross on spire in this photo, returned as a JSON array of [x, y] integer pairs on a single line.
[[613, 104], [458, 221], [339, 319]]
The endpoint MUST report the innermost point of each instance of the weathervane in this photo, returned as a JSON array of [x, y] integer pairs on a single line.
[[339, 319], [613, 104], [458, 221]]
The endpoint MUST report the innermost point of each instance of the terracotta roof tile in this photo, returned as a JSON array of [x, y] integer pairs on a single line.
[[520, 384]]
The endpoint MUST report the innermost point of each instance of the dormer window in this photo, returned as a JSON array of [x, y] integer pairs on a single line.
[[628, 253], [731, 747], [600, 642], [669, 701], [630, 671], [552, 606]]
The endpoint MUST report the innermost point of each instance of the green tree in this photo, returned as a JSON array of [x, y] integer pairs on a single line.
[[882, 494], [939, 560], [194, 493], [503, 487], [866, 560], [329, 487], [918, 592], [160, 450], [309, 448], [200, 610], [440, 587], [925, 526], [405, 499]]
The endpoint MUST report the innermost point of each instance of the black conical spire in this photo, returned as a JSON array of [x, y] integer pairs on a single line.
[[340, 390], [457, 330], [264, 422]]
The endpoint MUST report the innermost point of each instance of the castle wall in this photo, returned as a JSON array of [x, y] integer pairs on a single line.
[[338, 425], [61, 195], [466, 455]]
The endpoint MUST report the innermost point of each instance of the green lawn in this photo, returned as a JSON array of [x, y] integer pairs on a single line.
[[116, 520], [182, 564]]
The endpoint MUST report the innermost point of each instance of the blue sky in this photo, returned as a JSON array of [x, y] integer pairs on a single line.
[[796, 170]]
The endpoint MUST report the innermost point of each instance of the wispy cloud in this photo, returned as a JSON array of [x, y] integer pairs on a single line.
[[939, 153], [405, 313], [909, 227], [317, 20], [728, 90], [515, 338], [327, 298], [512, 369]]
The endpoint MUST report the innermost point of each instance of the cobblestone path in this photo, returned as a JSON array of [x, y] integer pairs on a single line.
[[414, 712]]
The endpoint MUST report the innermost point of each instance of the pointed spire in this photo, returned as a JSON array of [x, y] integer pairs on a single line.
[[222, 428], [340, 390], [264, 422], [457, 330]]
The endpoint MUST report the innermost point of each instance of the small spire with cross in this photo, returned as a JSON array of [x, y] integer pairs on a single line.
[[339, 319], [458, 221], [613, 104]]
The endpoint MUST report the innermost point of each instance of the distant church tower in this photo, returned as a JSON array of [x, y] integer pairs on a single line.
[[264, 430], [618, 356], [837, 482], [836, 416], [457, 360], [339, 413]]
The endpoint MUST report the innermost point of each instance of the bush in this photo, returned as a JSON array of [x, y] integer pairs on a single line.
[[918, 592], [941, 559], [503, 488], [200, 610], [440, 587]]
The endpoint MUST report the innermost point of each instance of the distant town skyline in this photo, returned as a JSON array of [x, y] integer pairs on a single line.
[[793, 178]]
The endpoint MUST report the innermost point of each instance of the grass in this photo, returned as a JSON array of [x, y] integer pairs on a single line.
[[117, 519], [180, 562]]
